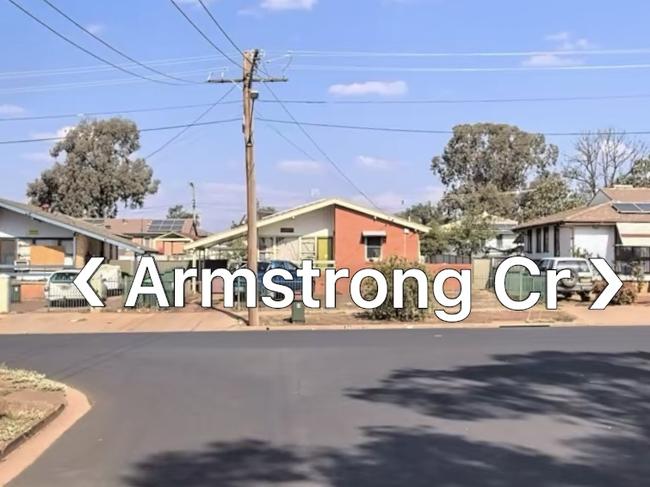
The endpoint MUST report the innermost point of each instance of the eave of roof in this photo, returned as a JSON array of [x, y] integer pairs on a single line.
[[73, 224], [301, 210]]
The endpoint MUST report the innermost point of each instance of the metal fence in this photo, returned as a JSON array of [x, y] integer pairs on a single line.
[[448, 259]]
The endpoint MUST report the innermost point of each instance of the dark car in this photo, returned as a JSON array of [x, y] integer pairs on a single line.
[[263, 267]]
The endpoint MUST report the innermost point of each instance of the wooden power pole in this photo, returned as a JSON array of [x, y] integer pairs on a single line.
[[247, 81]]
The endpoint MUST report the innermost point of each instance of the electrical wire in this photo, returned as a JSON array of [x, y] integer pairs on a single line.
[[428, 131], [203, 34], [190, 125], [112, 48], [149, 129], [563, 52], [87, 51], [505, 69]]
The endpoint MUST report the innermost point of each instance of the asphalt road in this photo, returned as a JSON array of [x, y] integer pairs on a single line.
[[444, 408]]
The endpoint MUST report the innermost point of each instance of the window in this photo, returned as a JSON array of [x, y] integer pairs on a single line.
[[7, 252], [499, 241], [556, 241], [308, 248], [538, 238], [63, 277], [286, 230], [545, 239], [529, 241], [373, 247], [627, 257]]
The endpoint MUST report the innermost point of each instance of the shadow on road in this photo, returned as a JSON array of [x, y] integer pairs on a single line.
[[608, 389]]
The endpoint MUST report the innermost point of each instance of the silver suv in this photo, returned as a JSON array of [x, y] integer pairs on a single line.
[[581, 281]]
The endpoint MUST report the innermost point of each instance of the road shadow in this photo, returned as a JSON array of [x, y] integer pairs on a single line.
[[610, 390]]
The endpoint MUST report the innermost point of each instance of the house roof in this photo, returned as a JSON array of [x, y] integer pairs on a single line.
[[145, 226], [227, 235], [603, 213], [73, 224], [627, 194]]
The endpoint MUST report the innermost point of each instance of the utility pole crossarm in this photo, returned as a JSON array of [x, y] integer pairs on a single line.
[[249, 96]]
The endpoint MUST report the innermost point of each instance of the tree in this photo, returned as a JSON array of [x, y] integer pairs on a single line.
[[547, 194], [178, 211], [99, 171], [639, 175], [423, 213], [602, 159], [467, 236], [485, 164]]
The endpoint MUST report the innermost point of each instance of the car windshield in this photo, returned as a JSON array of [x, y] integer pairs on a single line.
[[576, 265], [63, 277]]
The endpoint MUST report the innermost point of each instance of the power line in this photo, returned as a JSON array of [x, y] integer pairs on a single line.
[[440, 101], [563, 52], [102, 67], [203, 34], [84, 84], [454, 101], [87, 51], [472, 69], [112, 48], [428, 131], [114, 112], [221, 29], [319, 148], [193, 123], [149, 129]]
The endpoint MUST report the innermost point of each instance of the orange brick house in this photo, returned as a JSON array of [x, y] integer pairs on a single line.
[[331, 232], [168, 236]]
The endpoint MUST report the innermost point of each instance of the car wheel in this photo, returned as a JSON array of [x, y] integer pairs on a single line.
[[585, 297]]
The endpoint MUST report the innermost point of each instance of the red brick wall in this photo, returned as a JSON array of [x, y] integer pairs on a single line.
[[349, 247]]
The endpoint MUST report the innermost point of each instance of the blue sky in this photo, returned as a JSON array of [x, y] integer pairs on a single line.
[[392, 168]]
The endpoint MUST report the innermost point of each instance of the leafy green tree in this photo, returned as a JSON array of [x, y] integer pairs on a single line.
[[485, 164], [548, 194], [99, 171], [178, 211], [423, 213], [467, 236], [639, 175]]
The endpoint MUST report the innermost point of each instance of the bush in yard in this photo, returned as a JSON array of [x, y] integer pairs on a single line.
[[410, 311], [626, 295]]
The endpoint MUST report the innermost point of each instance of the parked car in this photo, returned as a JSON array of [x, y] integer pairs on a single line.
[[263, 267], [60, 288], [581, 281]]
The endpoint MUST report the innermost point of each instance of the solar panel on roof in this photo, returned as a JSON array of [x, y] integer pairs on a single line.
[[644, 207], [169, 225], [627, 208]]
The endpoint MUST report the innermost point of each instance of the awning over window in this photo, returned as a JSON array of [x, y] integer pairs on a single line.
[[634, 234], [374, 233]]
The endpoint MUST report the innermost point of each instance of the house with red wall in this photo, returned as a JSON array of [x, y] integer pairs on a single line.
[[330, 232]]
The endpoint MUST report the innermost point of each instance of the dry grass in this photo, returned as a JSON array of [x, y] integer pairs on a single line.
[[20, 379], [16, 420]]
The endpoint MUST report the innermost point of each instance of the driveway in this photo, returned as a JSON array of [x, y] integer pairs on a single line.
[[444, 408]]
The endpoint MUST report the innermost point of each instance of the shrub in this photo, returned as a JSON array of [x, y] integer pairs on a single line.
[[410, 311], [626, 295]]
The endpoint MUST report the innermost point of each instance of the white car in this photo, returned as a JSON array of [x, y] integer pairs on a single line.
[[61, 289], [581, 281]]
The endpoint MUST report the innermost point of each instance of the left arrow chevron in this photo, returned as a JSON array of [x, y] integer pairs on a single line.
[[84, 287]]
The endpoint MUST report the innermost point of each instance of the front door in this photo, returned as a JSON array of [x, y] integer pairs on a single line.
[[324, 249]]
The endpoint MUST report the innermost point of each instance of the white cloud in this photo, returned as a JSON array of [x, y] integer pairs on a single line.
[[375, 162], [548, 59], [288, 4], [95, 28], [563, 41], [383, 88], [299, 166], [11, 109], [60, 133]]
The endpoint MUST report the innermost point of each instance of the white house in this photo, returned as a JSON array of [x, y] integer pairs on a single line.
[[615, 225], [34, 243]]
